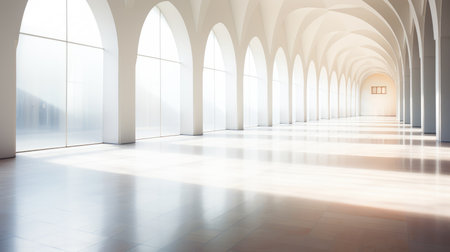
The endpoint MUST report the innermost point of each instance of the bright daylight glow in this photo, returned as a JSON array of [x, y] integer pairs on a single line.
[[157, 80], [251, 82], [298, 92], [299, 165], [214, 87], [323, 94], [312, 93]]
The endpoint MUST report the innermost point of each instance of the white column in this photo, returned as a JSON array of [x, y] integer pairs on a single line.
[[415, 99], [305, 96], [428, 79], [443, 76], [415, 96], [318, 79], [291, 96], [443, 90], [240, 92], [269, 92], [407, 97], [192, 95], [10, 20]]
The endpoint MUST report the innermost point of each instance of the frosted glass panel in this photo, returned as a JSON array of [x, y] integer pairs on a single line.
[[312, 100], [147, 97], [45, 18], [82, 26], [323, 99], [254, 103], [349, 99], [157, 80], [250, 101], [294, 101], [218, 57], [208, 100], [214, 87], [169, 49], [220, 100], [247, 80], [41, 93], [334, 97], [284, 102], [84, 95], [250, 91], [250, 67], [276, 103], [170, 98], [149, 41], [300, 101], [209, 52], [342, 99]]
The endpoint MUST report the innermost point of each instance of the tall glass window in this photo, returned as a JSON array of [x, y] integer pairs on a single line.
[[251, 81], [334, 96], [298, 92], [353, 100], [157, 80], [276, 93], [342, 97], [214, 87], [59, 76], [349, 98], [312, 93], [323, 94]]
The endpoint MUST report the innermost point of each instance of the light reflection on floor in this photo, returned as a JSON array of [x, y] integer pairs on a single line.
[[367, 163]]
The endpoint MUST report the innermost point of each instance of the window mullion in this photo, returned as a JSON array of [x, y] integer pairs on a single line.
[[67, 71]]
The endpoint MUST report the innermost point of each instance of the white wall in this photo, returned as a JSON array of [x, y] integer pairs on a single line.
[[378, 105]]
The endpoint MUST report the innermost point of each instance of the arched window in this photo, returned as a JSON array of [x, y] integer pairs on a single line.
[[298, 90], [334, 96], [276, 83], [214, 87], [157, 79], [323, 93], [312, 93], [353, 100], [349, 98], [342, 97], [59, 76], [280, 90], [251, 82]]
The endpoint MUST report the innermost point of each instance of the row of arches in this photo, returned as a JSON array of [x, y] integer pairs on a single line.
[[61, 83]]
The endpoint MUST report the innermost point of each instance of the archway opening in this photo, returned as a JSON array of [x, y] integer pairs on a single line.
[[298, 91], [334, 96], [312, 92], [219, 81], [280, 90], [354, 99], [250, 91], [342, 97], [158, 81], [348, 107], [255, 85], [378, 96], [323, 94]]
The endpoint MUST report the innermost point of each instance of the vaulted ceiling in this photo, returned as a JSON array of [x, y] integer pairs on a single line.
[[355, 38]]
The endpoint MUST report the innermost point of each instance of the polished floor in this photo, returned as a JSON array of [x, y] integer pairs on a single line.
[[363, 184]]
